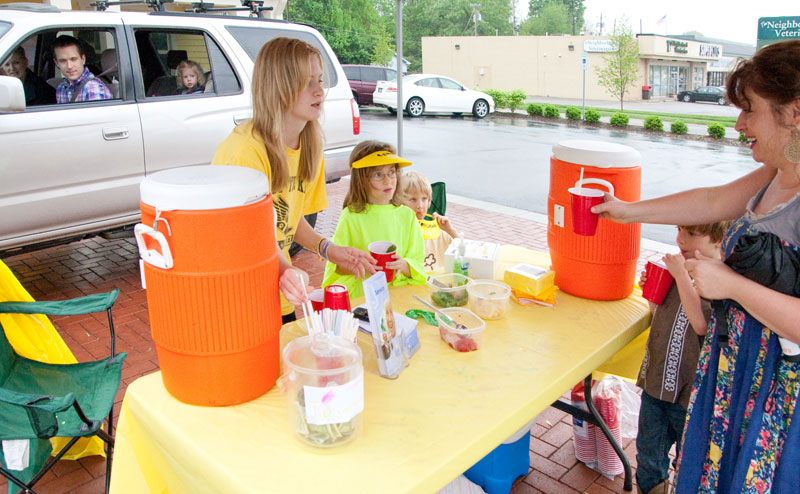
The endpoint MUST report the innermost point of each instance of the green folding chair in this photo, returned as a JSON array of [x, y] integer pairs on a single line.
[[39, 401], [438, 199]]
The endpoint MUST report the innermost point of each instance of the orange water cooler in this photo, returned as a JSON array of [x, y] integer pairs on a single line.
[[207, 244], [602, 266]]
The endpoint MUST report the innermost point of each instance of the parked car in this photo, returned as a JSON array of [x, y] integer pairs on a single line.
[[428, 93], [73, 170], [705, 93], [363, 78]]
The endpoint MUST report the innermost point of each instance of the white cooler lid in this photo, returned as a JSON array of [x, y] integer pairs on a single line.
[[194, 188], [597, 153]]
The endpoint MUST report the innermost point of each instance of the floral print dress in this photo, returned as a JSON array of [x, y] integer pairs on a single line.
[[739, 435]]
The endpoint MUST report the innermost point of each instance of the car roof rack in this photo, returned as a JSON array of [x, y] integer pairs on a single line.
[[156, 5], [30, 7], [256, 7]]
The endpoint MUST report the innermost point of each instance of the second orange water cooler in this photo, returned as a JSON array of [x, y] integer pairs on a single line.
[[602, 266], [211, 268]]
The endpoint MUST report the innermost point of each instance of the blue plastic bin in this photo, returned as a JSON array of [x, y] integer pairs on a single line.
[[498, 470]]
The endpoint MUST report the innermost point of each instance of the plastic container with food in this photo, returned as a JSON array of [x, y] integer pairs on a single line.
[[448, 290], [489, 299], [465, 334]]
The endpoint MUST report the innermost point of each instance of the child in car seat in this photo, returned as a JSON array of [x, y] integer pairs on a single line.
[[372, 213], [191, 78]]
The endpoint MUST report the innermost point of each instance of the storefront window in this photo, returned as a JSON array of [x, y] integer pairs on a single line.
[[697, 78]]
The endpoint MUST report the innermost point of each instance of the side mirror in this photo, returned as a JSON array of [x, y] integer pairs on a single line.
[[12, 94]]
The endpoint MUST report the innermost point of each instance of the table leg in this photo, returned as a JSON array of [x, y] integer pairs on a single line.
[[594, 417]]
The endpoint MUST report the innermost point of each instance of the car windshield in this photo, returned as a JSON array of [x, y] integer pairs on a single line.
[[4, 27]]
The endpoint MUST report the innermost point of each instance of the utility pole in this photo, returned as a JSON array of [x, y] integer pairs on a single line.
[[475, 17]]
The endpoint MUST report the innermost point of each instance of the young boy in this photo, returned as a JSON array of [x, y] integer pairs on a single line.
[[669, 365], [415, 192]]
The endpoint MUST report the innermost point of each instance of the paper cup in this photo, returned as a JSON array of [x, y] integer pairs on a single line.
[[383, 251], [658, 282], [584, 221], [317, 298], [337, 297]]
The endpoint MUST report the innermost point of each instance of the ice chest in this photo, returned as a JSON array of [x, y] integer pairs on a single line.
[[480, 255], [498, 470], [211, 270], [602, 266]]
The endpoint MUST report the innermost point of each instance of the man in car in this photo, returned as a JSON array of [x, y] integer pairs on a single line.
[[79, 84], [37, 91]]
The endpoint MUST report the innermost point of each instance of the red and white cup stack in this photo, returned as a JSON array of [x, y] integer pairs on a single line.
[[607, 404], [583, 433]]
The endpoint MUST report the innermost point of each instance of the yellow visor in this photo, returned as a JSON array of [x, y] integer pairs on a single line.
[[380, 158]]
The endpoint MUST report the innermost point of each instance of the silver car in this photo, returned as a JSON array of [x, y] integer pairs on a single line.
[[72, 169]]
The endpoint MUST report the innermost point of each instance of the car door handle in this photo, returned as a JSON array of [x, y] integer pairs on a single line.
[[237, 119], [115, 133]]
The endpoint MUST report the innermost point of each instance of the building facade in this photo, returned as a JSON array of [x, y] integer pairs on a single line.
[[553, 65]]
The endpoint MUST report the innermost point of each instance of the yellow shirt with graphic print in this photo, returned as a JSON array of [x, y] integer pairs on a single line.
[[297, 199]]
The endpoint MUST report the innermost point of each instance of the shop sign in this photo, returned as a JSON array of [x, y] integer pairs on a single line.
[[711, 51], [774, 29], [677, 46], [598, 46]]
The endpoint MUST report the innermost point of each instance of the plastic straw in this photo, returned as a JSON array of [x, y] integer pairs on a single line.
[[580, 182]]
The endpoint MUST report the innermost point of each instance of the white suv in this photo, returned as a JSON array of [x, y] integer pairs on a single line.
[[74, 169]]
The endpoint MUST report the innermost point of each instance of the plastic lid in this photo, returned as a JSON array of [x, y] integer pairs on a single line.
[[194, 188], [597, 153]]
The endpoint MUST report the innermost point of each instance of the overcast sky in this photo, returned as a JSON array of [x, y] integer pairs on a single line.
[[732, 20]]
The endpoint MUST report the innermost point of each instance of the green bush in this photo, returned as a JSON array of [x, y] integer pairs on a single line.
[[551, 111], [619, 120], [653, 123], [500, 98], [678, 127], [573, 113], [742, 138], [716, 130], [535, 109], [515, 98], [592, 116]]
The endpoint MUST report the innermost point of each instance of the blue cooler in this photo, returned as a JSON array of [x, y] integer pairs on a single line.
[[498, 470]]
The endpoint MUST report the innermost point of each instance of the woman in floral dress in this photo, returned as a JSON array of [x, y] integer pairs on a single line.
[[740, 436]]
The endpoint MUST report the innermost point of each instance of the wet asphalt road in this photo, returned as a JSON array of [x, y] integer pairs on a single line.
[[507, 161]]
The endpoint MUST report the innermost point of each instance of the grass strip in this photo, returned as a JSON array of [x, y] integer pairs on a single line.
[[669, 117]]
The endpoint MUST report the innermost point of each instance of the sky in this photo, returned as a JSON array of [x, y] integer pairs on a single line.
[[732, 20]]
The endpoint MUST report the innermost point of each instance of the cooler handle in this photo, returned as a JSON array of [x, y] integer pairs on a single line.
[[598, 181], [161, 259]]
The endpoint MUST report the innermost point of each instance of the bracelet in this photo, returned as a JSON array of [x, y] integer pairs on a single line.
[[319, 246], [324, 252]]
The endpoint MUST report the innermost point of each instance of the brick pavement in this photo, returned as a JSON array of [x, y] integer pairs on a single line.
[[94, 265]]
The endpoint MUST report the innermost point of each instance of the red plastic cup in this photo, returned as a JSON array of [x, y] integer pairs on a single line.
[[658, 282], [317, 298], [337, 297], [584, 221], [382, 251]]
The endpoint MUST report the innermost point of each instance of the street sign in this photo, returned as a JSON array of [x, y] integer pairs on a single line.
[[583, 61]]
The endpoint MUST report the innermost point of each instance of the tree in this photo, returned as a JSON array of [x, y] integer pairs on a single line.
[[573, 15], [620, 69], [551, 19], [353, 28]]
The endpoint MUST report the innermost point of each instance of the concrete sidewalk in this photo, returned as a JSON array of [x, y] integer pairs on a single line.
[[97, 265]]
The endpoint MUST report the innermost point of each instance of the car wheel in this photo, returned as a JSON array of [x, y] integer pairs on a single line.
[[295, 248], [721, 101], [480, 109], [415, 107], [687, 98], [392, 111]]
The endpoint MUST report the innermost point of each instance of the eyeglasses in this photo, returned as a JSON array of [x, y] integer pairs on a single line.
[[380, 176]]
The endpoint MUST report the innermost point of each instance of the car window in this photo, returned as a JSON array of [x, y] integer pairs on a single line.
[[352, 73], [391, 75], [428, 82], [253, 38], [702, 90], [373, 74], [4, 27], [448, 84], [182, 63], [45, 85]]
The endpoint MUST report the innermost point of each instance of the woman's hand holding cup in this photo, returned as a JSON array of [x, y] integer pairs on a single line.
[[613, 209]]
